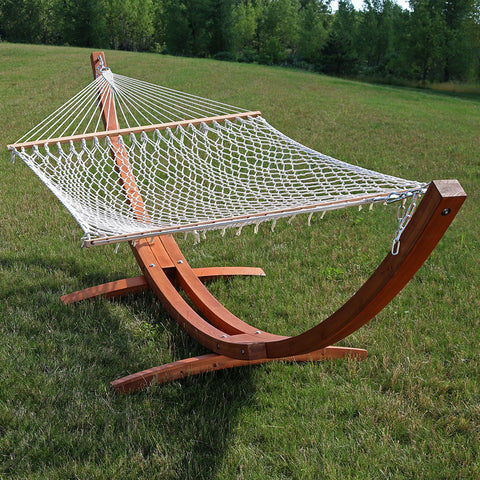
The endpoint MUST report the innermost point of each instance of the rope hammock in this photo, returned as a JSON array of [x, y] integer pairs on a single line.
[[197, 165]]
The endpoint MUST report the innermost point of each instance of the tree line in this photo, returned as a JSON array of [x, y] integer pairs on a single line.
[[432, 41]]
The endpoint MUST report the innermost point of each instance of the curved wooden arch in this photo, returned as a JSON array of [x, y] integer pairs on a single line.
[[236, 343]]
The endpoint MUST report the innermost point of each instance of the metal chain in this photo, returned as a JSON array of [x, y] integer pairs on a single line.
[[404, 214]]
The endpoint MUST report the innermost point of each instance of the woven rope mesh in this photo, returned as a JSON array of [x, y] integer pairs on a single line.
[[206, 177]]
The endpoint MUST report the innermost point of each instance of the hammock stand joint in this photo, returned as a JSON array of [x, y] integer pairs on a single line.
[[233, 342]]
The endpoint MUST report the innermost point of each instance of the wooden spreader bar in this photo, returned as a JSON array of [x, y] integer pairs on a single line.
[[235, 343], [135, 130], [253, 217]]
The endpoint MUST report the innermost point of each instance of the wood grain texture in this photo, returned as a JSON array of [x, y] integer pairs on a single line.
[[435, 213], [213, 362], [119, 288]]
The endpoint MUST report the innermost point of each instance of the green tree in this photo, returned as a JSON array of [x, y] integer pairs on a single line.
[[130, 24], [178, 34], [83, 23], [193, 26], [222, 26], [339, 55], [244, 31], [381, 38], [426, 38], [458, 41], [30, 21], [374, 41], [473, 26], [277, 30], [314, 19]]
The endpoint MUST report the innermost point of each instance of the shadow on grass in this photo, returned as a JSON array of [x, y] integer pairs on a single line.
[[61, 418]]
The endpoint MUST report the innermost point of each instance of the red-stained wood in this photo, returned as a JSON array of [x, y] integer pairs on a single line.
[[119, 154], [213, 362], [114, 289], [219, 335], [207, 274], [208, 305], [242, 346]]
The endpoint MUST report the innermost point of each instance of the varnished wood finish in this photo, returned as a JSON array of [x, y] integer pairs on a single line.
[[213, 362], [114, 289], [242, 346], [241, 341], [208, 305], [435, 213], [135, 130], [207, 274], [119, 288]]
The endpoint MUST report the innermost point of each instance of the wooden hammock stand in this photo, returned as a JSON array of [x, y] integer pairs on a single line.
[[233, 342]]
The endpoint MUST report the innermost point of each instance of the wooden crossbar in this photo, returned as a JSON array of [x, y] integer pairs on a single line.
[[135, 130]]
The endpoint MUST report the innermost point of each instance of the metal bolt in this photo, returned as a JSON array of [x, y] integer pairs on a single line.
[[218, 346], [257, 332], [446, 211], [152, 265], [180, 261], [243, 351], [224, 336]]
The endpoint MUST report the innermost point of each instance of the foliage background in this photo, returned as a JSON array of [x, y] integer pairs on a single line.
[[432, 41]]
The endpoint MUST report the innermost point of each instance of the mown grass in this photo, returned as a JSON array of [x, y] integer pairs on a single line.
[[411, 410]]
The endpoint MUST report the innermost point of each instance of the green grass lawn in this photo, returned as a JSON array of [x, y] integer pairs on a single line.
[[410, 410]]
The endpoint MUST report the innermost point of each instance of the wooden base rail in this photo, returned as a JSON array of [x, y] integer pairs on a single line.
[[212, 362]]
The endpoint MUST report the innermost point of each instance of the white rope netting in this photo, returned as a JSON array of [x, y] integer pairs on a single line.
[[189, 178]]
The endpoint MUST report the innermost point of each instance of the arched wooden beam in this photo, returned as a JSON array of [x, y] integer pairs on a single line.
[[241, 341], [435, 213]]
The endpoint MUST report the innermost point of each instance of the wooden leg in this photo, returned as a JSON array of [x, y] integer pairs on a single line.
[[213, 362], [207, 274], [109, 290], [138, 284]]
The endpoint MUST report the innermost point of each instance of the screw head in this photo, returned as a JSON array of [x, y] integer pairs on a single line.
[[180, 262], [446, 211], [151, 265]]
